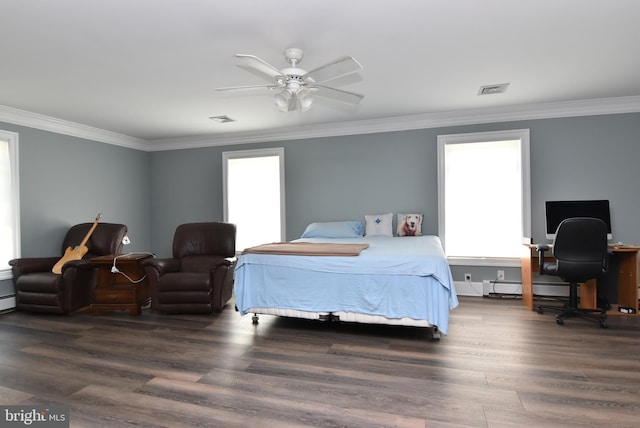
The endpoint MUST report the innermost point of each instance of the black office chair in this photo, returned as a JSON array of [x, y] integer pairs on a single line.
[[581, 253]]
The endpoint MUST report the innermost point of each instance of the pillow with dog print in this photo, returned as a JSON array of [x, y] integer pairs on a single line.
[[409, 224], [379, 225]]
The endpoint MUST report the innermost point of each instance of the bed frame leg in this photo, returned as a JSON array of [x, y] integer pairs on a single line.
[[328, 317], [434, 333], [254, 319]]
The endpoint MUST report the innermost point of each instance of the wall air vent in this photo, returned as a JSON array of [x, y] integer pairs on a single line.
[[222, 119], [493, 89]]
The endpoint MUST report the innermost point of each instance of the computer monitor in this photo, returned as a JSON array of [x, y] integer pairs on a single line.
[[556, 211]]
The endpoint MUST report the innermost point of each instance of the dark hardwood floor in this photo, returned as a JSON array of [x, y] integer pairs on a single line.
[[501, 365]]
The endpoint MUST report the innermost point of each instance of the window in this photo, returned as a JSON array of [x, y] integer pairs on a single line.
[[253, 183], [484, 196], [9, 202]]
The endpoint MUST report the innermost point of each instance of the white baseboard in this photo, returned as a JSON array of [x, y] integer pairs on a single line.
[[7, 302], [489, 287], [485, 288], [559, 290], [464, 288]]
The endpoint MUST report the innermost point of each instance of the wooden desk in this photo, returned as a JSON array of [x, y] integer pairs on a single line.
[[114, 291], [626, 272]]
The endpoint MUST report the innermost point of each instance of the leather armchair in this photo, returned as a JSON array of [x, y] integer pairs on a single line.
[[40, 290], [199, 276]]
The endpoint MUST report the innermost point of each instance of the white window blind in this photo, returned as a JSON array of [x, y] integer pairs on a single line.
[[254, 195], [484, 194], [9, 202]]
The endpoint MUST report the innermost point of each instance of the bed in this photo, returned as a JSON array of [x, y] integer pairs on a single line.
[[395, 280]]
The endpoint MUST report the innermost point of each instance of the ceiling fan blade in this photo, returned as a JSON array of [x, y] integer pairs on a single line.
[[337, 94], [259, 65], [247, 88], [338, 68]]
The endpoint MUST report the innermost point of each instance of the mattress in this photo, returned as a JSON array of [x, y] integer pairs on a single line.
[[394, 279]]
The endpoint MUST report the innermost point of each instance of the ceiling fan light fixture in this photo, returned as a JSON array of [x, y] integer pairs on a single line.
[[282, 99], [305, 101]]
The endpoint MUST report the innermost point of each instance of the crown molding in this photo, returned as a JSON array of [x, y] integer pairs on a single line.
[[402, 123], [59, 126]]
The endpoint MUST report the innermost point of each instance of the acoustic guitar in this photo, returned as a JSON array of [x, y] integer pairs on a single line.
[[76, 253]]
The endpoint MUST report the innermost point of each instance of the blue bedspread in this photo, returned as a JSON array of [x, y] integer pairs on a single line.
[[396, 277]]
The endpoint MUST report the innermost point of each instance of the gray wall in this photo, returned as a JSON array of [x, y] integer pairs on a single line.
[[65, 180], [588, 158], [186, 187], [325, 179], [348, 177]]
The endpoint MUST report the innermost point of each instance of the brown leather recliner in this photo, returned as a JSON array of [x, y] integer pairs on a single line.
[[199, 277], [40, 290]]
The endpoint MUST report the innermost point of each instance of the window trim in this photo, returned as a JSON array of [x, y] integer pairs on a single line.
[[236, 154], [12, 138], [478, 137]]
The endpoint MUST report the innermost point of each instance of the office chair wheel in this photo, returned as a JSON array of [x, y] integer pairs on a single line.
[[540, 310], [559, 320], [603, 322]]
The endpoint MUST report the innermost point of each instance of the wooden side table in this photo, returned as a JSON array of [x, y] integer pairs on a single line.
[[114, 291]]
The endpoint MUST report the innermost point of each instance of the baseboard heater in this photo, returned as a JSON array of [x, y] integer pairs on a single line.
[[513, 288], [7, 302]]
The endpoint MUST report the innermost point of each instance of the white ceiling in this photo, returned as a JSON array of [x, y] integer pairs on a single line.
[[148, 69]]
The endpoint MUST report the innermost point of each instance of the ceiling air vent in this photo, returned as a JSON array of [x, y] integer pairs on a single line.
[[222, 119], [493, 89]]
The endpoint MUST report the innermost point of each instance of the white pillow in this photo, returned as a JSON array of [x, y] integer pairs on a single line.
[[409, 224], [379, 225]]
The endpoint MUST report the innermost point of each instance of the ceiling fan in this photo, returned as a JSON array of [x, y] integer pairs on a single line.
[[295, 86]]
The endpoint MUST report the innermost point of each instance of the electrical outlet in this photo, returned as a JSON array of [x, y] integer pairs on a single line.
[[500, 276], [467, 278]]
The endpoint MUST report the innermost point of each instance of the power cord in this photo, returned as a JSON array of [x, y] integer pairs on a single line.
[[497, 295], [114, 268]]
